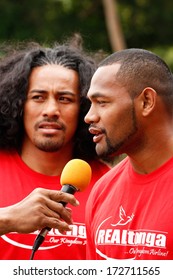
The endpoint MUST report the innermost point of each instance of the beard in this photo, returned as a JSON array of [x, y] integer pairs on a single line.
[[49, 145], [120, 146]]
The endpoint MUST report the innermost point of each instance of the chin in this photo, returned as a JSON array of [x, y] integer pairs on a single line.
[[101, 152]]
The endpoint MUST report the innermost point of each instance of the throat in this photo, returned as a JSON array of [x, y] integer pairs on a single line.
[[50, 164]]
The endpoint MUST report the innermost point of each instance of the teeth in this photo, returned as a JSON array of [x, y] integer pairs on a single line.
[[94, 131], [46, 126]]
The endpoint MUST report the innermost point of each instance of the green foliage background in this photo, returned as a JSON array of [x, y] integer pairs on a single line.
[[145, 23]]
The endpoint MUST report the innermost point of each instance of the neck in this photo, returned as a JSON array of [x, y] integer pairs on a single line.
[[152, 156], [47, 163]]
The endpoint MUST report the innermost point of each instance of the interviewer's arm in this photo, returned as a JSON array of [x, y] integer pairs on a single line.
[[38, 210]]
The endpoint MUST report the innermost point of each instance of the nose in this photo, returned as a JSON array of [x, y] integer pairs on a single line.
[[91, 116], [51, 108]]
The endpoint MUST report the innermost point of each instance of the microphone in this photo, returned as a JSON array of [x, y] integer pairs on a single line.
[[75, 177]]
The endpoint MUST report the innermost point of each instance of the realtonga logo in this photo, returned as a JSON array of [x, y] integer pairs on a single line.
[[109, 233], [124, 219], [53, 239]]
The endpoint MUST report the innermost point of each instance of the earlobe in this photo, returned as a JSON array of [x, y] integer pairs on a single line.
[[149, 100]]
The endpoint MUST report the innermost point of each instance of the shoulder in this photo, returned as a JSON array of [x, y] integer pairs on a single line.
[[119, 167], [98, 170], [113, 172], [7, 155], [99, 167]]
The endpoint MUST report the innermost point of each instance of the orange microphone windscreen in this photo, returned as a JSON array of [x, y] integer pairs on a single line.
[[77, 173]]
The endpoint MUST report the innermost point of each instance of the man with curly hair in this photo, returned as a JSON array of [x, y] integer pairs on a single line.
[[42, 108]]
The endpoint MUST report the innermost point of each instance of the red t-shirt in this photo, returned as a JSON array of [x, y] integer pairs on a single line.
[[17, 180], [130, 216]]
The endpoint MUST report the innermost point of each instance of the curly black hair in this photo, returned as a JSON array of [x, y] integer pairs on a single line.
[[15, 70]]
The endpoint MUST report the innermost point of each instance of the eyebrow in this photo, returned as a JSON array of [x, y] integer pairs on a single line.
[[58, 92], [96, 95]]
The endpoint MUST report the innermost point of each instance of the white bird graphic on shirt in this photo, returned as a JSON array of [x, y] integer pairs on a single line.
[[124, 219]]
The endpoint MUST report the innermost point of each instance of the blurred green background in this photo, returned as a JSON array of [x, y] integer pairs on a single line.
[[106, 25]]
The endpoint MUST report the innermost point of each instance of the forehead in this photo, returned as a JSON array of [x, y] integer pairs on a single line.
[[53, 72], [104, 78]]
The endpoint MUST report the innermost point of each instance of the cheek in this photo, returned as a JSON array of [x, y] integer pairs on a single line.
[[29, 118], [29, 111], [28, 124], [71, 118], [117, 122]]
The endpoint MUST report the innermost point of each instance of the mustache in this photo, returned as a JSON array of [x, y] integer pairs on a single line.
[[96, 129], [52, 120]]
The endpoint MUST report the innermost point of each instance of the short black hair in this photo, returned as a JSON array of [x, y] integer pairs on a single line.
[[141, 68]]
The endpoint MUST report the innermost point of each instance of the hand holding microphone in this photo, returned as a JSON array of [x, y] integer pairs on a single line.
[[75, 176]]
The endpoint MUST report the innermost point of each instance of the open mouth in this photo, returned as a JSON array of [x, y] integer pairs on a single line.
[[98, 134]]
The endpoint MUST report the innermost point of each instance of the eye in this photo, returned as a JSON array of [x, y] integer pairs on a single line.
[[65, 99], [102, 102], [38, 97]]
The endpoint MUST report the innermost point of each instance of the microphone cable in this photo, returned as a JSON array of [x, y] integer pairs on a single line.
[[41, 236], [75, 177], [38, 241]]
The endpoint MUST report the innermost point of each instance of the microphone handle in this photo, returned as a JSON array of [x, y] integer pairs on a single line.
[[41, 236]]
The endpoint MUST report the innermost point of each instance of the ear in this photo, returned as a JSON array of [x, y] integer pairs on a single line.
[[148, 100]]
